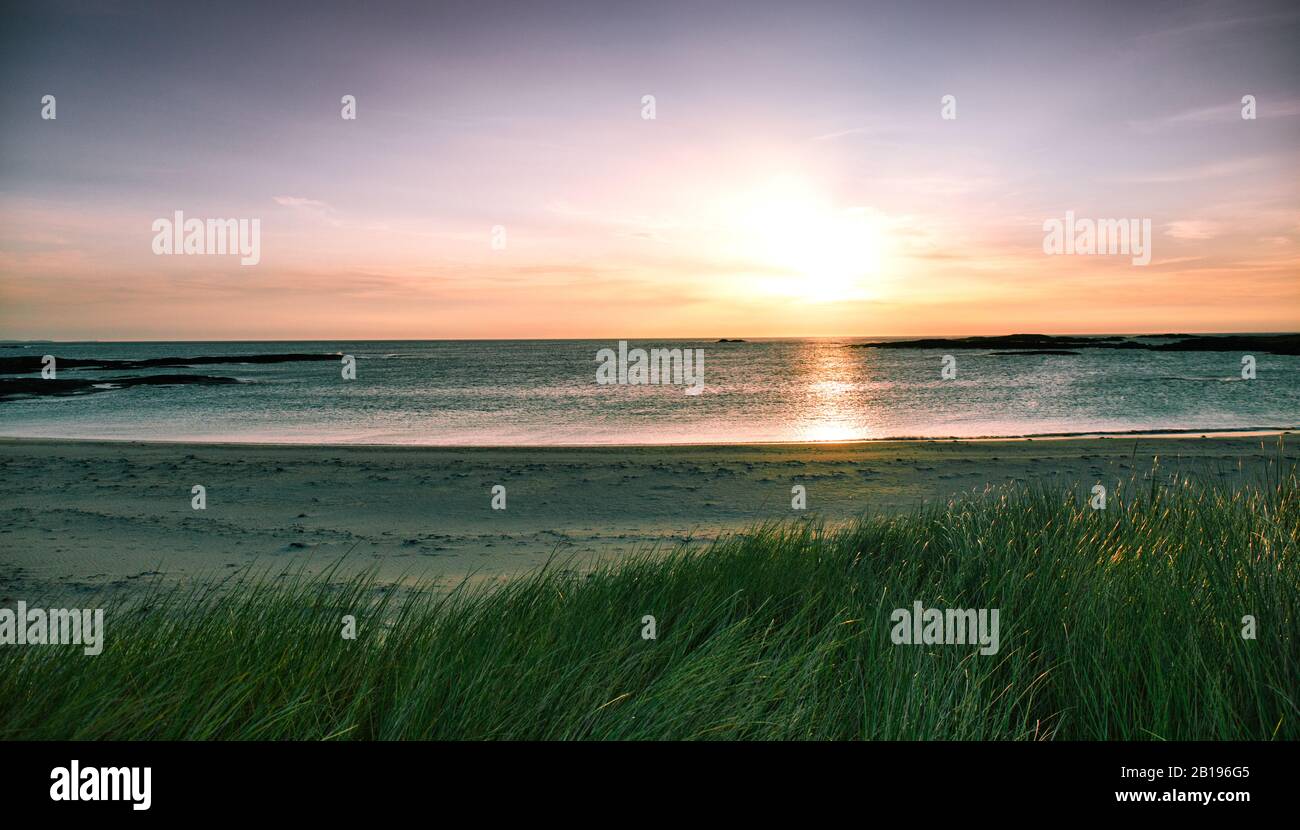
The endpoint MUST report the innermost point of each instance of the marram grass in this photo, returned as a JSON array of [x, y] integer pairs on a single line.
[[1122, 624]]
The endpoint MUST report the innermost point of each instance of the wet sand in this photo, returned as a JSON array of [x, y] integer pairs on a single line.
[[85, 516]]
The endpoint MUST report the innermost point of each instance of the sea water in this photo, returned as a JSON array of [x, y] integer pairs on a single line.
[[546, 393]]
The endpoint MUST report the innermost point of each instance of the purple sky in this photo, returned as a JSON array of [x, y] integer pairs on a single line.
[[798, 178]]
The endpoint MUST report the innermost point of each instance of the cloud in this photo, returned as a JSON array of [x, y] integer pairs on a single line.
[[1215, 26], [1192, 229], [874, 130], [1212, 170], [300, 202], [1266, 107]]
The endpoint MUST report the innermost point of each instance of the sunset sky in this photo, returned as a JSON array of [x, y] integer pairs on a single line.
[[797, 179]]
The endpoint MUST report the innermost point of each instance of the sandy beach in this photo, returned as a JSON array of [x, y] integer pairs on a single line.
[[89, 516]]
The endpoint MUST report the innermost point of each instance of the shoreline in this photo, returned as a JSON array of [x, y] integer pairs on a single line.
[[89, 516], [1221, 432]]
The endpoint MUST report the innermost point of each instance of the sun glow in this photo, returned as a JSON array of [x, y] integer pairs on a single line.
[[826, 254]]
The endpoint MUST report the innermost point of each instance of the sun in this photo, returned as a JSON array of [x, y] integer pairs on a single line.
[[820, 253]]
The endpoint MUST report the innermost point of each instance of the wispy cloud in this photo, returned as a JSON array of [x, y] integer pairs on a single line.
[[870, 129], [1211, 170], [1192, 229], [1211, 26], [300, 202], [1266, 107]]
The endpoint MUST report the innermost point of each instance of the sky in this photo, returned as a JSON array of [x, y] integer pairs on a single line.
[[501, 178]]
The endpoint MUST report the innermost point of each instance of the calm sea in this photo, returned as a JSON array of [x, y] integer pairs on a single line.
[[545, 392]]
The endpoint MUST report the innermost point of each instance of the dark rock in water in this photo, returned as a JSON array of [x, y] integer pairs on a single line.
[[1008, 341], [32, 363], [1275, 343], [1033, 351], [725, 340], [1288, 344], [11, 388]]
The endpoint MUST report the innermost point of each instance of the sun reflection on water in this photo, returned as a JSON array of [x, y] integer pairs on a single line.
[[832, 403]]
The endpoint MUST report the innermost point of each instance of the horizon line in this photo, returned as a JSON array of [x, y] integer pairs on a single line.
[[714, 338]]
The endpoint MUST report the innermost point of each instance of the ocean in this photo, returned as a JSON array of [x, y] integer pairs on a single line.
[[535, 393]]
